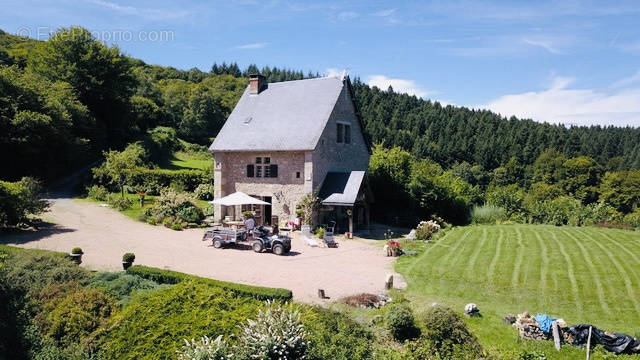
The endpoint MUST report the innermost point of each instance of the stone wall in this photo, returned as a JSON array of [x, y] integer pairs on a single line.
[[331, 156], [285, 190]]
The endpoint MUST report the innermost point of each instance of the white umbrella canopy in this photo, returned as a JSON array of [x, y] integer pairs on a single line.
[[238, 198]]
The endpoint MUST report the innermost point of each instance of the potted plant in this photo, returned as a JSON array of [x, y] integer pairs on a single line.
[[395, 247], [76, 255], [127, 260]]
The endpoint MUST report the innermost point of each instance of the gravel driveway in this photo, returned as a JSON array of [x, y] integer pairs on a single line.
[[356, 266]]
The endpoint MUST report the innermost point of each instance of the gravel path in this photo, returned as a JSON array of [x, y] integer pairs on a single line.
[[356, 266]]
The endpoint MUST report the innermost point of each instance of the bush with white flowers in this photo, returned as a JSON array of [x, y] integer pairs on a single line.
[[205, 349], [276, 334], [426, 229]]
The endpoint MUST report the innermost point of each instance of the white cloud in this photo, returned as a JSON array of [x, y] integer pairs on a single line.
[[627, 81], [545, 44], [333, 72], [399, 85], [252, 46], [347, 15], [384, 13], [152, 14], [562, 104]]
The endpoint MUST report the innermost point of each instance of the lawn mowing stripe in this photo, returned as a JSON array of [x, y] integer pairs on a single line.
[[438, 243], [621, 246], [474, 257], [496, 256], [623, 273], [444, 259], [594, 274], [531, 265], [518, 263], [544, 267], [571, 274], [462, 254]]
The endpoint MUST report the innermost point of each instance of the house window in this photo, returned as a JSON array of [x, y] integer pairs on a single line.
[[297, 174], [347, 134], [340, 132], [263, 168]]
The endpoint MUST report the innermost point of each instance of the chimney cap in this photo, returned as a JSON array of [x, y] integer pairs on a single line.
[[256, 76]]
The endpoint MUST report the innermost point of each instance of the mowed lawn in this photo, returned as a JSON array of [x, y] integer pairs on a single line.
[[584, 275]]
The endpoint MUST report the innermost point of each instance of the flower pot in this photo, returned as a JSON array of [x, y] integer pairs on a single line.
[[77, 258], [126, 264], [394, 252]]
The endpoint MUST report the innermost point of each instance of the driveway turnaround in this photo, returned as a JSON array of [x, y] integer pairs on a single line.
[[104, 235]]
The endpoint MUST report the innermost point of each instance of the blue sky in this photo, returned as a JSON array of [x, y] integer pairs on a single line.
[[576, 62]]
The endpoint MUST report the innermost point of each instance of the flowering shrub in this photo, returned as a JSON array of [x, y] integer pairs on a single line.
[[394, 245], [277, 333], [204, 192], [426, 229], [205, 349]]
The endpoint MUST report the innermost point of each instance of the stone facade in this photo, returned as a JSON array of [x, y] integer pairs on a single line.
[[287, 189], [331, 156]]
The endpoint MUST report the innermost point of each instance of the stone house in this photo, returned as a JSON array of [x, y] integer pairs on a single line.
[[284, 140]]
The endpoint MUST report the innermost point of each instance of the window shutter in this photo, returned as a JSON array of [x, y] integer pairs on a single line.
[[250, 170], [274, 170], [347, 134]]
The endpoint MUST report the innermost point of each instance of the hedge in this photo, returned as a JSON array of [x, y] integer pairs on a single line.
[[152, 180], [162, 276]]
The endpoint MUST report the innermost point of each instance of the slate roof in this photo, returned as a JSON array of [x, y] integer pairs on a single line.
[[289, 115], [341, 188]]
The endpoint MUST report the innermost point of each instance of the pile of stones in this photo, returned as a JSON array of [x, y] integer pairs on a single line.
[[528, 327]]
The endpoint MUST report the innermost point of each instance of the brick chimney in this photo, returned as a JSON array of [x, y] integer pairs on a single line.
[[257, 83]]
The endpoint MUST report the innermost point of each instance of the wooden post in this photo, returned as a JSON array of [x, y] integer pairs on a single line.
[[350, 220], [589, 344], [321, 293], [556, 335]]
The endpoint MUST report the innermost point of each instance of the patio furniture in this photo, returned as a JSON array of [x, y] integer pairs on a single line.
[[328, 235]]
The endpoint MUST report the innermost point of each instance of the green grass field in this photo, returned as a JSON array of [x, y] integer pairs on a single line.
[[135, 211], [584, 275], [185, 161]]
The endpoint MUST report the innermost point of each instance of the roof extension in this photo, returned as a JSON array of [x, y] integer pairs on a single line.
[[285, 116], [341, 188]]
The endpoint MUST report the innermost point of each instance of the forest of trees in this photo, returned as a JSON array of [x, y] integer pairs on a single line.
[[65, 100]]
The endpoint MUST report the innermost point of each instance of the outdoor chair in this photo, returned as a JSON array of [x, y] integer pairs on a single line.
[[328, 235]]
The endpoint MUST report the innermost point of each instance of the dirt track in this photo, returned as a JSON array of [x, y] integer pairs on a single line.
[[104, 235]]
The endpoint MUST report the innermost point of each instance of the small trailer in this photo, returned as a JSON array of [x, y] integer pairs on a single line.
[[221, 237], [261, 239]]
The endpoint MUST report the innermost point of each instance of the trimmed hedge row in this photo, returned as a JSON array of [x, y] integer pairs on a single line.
[[7, 249], [152, 180], [162, 276]]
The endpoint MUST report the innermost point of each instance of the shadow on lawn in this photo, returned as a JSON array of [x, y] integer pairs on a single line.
[[39, 230], [377, 231]]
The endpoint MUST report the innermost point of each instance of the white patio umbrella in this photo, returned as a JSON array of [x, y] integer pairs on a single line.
[[238, 198]]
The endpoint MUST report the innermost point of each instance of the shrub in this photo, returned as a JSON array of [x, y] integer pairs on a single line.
[[153, 181], [119, 202], [401, 323], [205, 349], [120, 285], [162, 276], [19, 201], [333, 335], [166, 317], [632, 219], [208, 210], [320, 233], [277, 333], [176, 226], [190, 214], [97, 192], [487, 214], [447, 334], [204, 192], [128, 257], [426, 229], [76, 250], [78, 315], [510, 198]]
